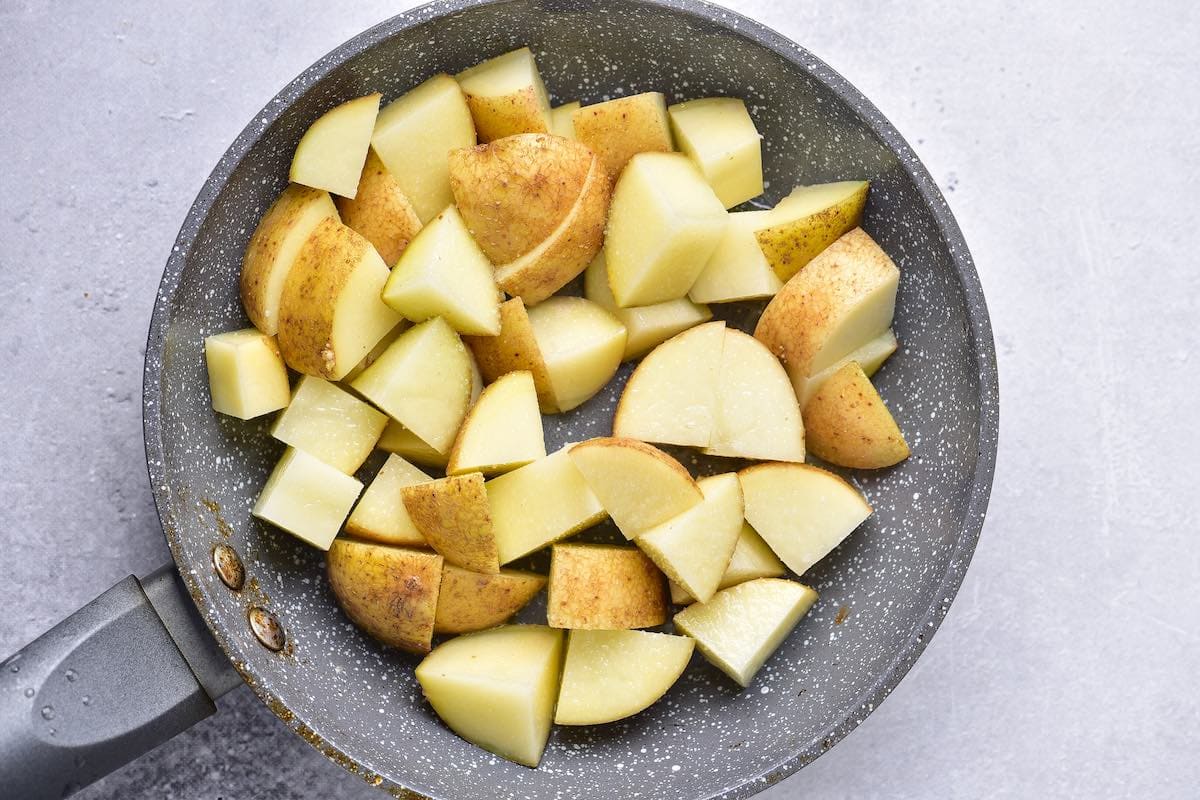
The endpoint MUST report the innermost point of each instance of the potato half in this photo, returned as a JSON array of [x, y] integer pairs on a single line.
[[389, 592]]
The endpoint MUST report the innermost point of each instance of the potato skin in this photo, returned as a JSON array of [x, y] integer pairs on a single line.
[[619, 129], [790, 246], [472, 601], [389, 592], [454, 517], [515, 349], [507, 115], [380, 212], [848, 424], [604, 587]]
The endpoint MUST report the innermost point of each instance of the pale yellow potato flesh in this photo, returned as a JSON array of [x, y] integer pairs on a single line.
[[273, 249], [331, 153], [694, 548], [400, 441], [849, 425], [870, 357], [502, 431], [506, 96], [307, 498], [423, 381], [752, 558], [718, 134], [414, 135], [740, 627], [618, 129], [376, 351], [330, 314], [757, 413], [672, 395], [646, 327], [514, 350], [474, 601], [380, 212], [611, 675], [639, 485], [443, 273], [454, 517], [604, 587], [389, 592], [581, 345], [497, 688], [562, 122], [737, 269], [801, 511], [246, 374], [663, 225], [328, 422], [380, 515], [808, 220], [539, 504]]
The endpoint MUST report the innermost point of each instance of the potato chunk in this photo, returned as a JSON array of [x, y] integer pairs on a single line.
[[473, 601], [381, 212], [331, 152], [719, 136], [581, 344], [506, 96], [307, 498], [611, 675], [380, 514], [850, 426], [330, 423], [389, 592], [603, 587], [502, 431], [246, 374], [618, 129], [454, 517]]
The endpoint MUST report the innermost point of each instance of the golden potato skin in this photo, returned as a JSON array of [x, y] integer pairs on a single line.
[[847, 423], [472, 601], [790, 246], [389, 592], [515, 349], [454, 517], [604, 587], [507, 115], [380, 212], [617, 130]]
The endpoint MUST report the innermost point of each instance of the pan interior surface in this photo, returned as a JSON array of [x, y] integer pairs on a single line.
[[882, 593]]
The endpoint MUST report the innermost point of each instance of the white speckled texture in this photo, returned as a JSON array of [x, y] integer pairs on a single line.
[[1083, 550]]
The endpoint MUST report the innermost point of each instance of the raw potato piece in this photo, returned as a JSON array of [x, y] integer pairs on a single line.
[[443, 273], [376, 351], [842, 299], [694, 548], [639, 486], [330, 314], [380, 212], [246, 374], [802, 512], [539, 504], [506, 96], [331, 152], [752, 558], [581, 344], [849, 425], [870, 357], [471, 601], [307, 498], [562, 122], [380, 514], [672, 395], [617, 130], [646, 327], [389, 592], [453, 516], [514, 350], [719, 136], [400, 441], [273, 248], [496, 688], [808, 220], [664, 224], [330, 423], [737, 269], [610, 675], [413, 136], [603, 587], [502, 431], [423, 381], [757, 413], [739, 629]]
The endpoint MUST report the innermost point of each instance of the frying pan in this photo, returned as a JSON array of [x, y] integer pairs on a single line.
[[250, 603]]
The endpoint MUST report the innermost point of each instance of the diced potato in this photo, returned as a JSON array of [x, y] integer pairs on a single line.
[[611, 675], [539, 504], [849, 425], [562, 122], [737, 269], [307, 498], [329, 423], [274, 247], [581, 345], [506, 96], [376, 351], [453, 516], [808, 220], [381, 213], [742, 626], [664, 224], [443, 273], [502, 431], [389, 592], [496, 688], [719, 136], [646, 327], [331, 152], [870, 357], [604, 587], [413, 136], [246, 374], [514, 350], [617, 130], [401, 441], [752, 558], [380, 514], [473, 601]]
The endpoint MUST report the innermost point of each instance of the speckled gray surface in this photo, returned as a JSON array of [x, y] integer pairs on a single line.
[[985, 715]]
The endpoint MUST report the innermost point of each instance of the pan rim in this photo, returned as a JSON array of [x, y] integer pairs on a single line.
[[735, 24]]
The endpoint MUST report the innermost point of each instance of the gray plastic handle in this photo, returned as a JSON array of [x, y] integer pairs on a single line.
[[117, 678]]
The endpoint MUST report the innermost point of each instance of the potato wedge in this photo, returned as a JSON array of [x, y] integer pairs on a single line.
[[399, 440], [611, 675], [870, 357], [307, 498], [850, 425], [737, 269], [604, 587], [246, 374], [719, 136], [562, 119], [502, 431], [454, 517], [618, 129], [514, 350], [581, 345], [328, 422], [389, 592], [506, 96], [380, 515], [752, 558], [473, 601], [380, 212], [331, 152], [809, 220]]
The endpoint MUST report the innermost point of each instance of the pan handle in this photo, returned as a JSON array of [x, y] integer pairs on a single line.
[[117, 678]]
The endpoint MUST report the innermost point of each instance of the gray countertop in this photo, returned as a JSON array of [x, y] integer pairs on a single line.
[[1065, 137]]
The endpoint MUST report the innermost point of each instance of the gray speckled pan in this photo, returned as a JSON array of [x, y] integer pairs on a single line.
[[883, 593]]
